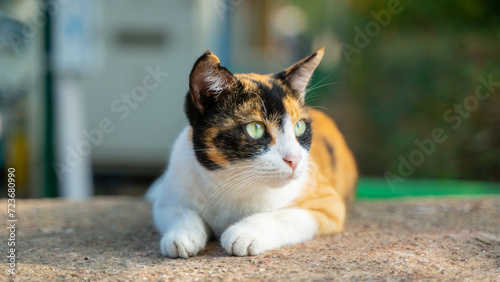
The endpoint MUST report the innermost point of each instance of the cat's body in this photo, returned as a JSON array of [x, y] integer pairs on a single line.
[[255, 167]]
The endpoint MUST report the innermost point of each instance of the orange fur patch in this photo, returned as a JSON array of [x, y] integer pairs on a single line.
[[273, 130], [213, 57], [334, 175], [216, 156], [212, 152], [250, 80], [190, 135], [294, 109]]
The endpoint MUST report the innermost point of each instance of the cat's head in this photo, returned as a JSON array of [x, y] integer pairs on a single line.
[[253, 124]]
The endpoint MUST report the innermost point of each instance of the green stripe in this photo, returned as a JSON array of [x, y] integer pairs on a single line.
[[369, 187]]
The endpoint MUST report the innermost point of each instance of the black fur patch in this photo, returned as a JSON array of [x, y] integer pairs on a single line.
[[236, 145], [331, 152]]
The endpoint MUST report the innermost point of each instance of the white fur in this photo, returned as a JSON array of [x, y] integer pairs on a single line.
[[270, 230], [245, 203], [215, 83]]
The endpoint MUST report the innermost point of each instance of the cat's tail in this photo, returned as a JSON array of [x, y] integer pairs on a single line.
[[154, 189]]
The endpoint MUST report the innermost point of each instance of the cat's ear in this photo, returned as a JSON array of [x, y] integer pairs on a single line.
[[208, 79], [298, 75]]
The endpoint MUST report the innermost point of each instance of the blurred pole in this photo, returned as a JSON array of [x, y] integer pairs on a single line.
[[73, 152], [74, 29], [50, 180], [225, 36], [215, 27]]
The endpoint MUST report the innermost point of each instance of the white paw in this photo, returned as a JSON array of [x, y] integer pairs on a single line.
[[243, 240], [182, 243]]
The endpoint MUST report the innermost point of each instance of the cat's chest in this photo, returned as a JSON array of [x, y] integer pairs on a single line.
[[228, 208]]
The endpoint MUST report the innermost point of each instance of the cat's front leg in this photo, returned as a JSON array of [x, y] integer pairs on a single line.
[[184, 231], [265, 231]]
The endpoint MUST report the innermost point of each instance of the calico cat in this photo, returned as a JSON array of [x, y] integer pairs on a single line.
[[256, 167]]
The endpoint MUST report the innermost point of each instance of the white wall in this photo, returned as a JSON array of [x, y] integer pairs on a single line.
[[142, 138]]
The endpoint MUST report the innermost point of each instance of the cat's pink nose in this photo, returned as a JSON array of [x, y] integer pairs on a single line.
[[292, 160]]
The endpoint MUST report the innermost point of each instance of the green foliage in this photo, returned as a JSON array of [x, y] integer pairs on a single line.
[[410, 79]]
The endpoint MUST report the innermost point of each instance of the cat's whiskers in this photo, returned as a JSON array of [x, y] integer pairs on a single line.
[[323, 79], [233, 178], [311, 97], [311, 177], [232, 187], [298, 103], [220, 187], [233, 194], [320, 107], [322, 85], [223, 187]]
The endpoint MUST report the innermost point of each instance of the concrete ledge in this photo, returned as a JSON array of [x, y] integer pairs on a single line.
[[113, 238]]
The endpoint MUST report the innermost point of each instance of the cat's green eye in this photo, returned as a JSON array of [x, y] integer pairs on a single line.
[[300, 128], [256, 129]]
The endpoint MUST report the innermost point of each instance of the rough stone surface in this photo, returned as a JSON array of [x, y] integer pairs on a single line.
[[113, 238]]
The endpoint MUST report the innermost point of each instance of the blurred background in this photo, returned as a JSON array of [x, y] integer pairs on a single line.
[[91, 92]]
